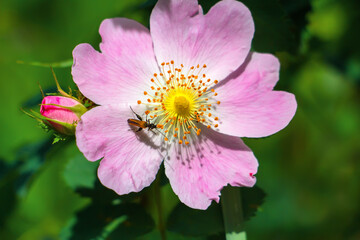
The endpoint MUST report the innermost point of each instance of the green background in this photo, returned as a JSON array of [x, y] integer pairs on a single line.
[[309, 171]]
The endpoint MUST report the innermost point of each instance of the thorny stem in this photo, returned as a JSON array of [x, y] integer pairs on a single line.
[[233, 213], [158, 202]]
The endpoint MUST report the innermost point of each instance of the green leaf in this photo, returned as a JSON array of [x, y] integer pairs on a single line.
[[148, 4], [273, 29], [58, 138], [97, 221], [252, 199], [8, 198], [98, 193], [29, 160], [79, 172], [193, 222], [17, 177]]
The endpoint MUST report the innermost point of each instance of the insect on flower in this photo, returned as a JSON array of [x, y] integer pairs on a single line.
[[142, 124]]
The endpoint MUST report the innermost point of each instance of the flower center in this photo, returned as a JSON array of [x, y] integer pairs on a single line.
[[180, 100], [182, 105]]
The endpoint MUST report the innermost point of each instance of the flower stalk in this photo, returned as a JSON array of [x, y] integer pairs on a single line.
[[158, 202], [233, 213]]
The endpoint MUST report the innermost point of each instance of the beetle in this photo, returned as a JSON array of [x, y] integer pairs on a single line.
[[140, 123]]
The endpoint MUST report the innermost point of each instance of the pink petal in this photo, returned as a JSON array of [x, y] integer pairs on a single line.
[[220, 39], [130, 160], [58, 113], [260, 116], [260, 71], [198, 172], [249, 107], [120, 73]]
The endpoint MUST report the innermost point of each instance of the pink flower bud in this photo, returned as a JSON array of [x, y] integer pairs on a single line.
[[62, 113]]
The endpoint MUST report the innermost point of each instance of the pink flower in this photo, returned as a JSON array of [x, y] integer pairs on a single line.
[[193, 76], [62, 113]]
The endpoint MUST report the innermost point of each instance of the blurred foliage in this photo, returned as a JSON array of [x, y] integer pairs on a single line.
[[109, 221], [310, 170]]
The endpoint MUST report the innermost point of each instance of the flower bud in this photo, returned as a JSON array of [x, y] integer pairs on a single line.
[[62, 113]]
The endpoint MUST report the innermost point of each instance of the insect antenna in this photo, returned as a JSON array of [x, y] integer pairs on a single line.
[[160, 132], [137, 115]]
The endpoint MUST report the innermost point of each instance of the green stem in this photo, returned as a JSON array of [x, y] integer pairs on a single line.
[[232, 213], [161, 224]]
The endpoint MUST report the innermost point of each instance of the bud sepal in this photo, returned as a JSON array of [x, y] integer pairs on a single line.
[[61, 112]]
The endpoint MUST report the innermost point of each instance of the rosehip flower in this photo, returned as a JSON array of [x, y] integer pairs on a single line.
[[193, 77], [62, 113]]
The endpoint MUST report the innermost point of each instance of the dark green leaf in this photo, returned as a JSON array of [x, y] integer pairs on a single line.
[[97, 221], [103, 195], [148, 4], [7, 191], [138, 223], [79, 172], [252, 199], [273, 29], [192, 222], [28, 162]]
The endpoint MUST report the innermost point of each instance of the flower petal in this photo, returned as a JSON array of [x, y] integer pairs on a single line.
[[198, 172], [130, 160], [58, 113], [120, 73], [249, 107], [220, 39], [260, 72]]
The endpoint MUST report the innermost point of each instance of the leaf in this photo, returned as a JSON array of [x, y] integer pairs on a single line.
[[98, 221], [98, 193], [29, 159], [273, 29], [148, 4], [193, 222], [138, 223], [8, 201], [7, 191], [58, 138], [79, 172], [252, 199]]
